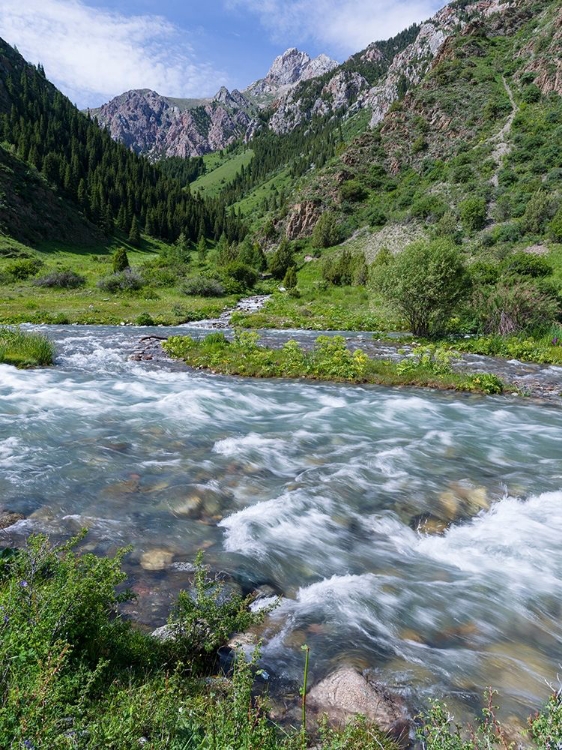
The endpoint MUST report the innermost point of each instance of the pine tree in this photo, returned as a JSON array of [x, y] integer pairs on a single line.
[[290, 280], [120, 260], [134, 233]]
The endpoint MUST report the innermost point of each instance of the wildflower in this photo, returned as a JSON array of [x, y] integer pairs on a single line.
[[24, 584]]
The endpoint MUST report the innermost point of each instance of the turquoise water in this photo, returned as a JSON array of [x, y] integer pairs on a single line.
[[317, 491]]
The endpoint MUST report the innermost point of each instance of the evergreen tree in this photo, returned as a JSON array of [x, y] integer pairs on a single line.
[[134, 233], [120, 260], [281, 260], [290, 280]]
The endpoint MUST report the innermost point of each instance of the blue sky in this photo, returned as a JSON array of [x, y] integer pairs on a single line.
[[96, 49]]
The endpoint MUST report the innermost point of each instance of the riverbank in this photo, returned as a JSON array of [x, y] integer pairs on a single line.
[[25, 349]]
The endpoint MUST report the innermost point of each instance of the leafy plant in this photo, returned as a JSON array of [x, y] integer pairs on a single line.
[[61, 280]]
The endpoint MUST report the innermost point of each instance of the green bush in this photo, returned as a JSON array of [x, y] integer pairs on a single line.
[[144, 319], [326, 232], [201, 286], [290, 280], [120, 260], [424, 282], [20, 270], [538, 212], [245, 275], [281, 260], [526, 264], [473, 213], [555, 226], [353, 191], [514, 306]]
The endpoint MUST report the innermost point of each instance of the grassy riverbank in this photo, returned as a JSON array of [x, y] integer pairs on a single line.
[[76, 675], [329, 360], [25, 349]]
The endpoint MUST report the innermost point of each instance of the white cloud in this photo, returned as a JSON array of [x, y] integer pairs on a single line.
[[94, 54], [344, 26]]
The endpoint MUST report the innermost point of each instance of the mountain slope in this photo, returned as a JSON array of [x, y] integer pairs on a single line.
[[99, 177]]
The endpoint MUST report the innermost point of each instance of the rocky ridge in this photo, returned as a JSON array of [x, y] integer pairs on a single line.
[[160, 126]]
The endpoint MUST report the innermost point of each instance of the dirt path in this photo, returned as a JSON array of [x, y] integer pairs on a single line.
[[502, 147]]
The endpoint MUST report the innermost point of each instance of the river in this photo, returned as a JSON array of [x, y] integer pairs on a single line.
[[317, 492]]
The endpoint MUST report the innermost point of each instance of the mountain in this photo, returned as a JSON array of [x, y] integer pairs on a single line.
[[289, 69], [160, 126], [54, 154]]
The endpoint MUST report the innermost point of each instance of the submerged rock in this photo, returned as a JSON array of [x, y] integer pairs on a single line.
[[425, 523], [156, 559], [347, 692]]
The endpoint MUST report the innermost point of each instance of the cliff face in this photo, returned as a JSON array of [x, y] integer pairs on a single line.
[[158, 126]]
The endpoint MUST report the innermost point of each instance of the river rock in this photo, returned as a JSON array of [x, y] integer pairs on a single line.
[[7, 518], [425, 523], [346, 692], [156, 559]]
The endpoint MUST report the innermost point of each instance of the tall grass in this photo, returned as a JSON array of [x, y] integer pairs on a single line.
[[25, 348]]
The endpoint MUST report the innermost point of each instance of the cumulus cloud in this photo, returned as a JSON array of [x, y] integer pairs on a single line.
[[344, 26], [94, 54]]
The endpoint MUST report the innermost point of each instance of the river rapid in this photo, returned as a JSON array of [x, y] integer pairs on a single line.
[[319, 493]]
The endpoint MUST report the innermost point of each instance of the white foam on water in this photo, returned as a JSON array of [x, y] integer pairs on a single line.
[[517, 544], [288, 523]]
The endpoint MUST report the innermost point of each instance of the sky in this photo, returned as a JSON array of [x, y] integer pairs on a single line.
[[94, 50]]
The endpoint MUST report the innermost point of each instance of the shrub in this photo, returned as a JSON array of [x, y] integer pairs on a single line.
[[61, 280], [326, 232], [20, 270], [144, 319], [473, 213], [120, 260], [281, 260], [511, 307], [531, 93], [353, 191], [526, 264], [376, 217], [538, 211], [555, 226], [125, 281], [243, 274], [424, 282], [290, 280], [201, 286], [429, 207]]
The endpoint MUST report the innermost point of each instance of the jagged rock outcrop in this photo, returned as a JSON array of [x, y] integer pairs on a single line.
[[158, 126], [302, 219], [289, 69], [410, 65]]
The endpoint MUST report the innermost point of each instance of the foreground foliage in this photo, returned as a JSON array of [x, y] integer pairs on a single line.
[[330, 359], [24, 348], [77, 675]]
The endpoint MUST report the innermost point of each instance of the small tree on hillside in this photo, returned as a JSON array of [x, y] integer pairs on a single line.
[[134, 233], [326, 233], [424, 282], [290, 280], [281, 259], [120, 260]]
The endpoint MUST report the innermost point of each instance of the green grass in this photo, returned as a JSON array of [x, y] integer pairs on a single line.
[[25, 349], [330, 360], [220, 172], [23, 302], [322, 307]]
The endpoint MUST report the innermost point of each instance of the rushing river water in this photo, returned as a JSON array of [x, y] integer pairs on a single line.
[[316, 491]]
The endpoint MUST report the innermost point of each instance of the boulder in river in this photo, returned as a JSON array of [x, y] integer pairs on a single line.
[[347, 692], [156, 559], [7, 518]]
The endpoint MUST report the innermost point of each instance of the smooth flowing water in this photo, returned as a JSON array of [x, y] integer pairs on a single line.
[[321, 493]]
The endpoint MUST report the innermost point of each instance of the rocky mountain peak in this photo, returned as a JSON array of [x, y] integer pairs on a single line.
[[289, 69]]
